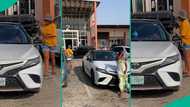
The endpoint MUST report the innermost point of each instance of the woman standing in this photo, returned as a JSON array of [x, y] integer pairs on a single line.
[[122, 73], [49, 39]]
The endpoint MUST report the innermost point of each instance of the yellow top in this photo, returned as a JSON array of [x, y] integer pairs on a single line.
[[121, 66], [49, 34], [69, 52], [185, 31]]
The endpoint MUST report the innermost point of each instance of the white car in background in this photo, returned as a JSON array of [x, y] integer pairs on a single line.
[[20, 61], [101, 67], [156, 62]]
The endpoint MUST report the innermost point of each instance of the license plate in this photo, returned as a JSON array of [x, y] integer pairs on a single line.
[[137, 80], [2, 81]]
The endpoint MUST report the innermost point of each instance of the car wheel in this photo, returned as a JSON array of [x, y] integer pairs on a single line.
[[83, 69], [93, 77]]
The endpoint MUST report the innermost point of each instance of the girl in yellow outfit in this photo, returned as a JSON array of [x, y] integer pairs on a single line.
[[122, 73], [184, 28], [49, 39]]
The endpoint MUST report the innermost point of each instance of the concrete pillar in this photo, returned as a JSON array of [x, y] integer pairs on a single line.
[[177, 6], [39, 10], [52, 8], [44, 8], [95, 26]]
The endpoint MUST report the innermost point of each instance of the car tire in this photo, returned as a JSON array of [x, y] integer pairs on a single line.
[[34, 91], [92, 77], [83, 69]]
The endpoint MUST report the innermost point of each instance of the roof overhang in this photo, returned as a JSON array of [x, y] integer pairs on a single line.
[[113, 26], [78, 8]]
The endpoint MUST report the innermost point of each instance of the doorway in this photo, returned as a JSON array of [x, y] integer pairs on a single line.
[[71, 38]]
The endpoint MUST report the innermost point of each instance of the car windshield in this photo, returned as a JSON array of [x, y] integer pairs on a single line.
[[12, 34], [148, 31], [104, 56], [117, 49]]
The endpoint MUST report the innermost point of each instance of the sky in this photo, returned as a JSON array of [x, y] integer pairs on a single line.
[[113, 12]]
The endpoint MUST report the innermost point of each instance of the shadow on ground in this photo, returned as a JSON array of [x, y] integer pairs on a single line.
[[84, 78], [151, 93], [15, 95]]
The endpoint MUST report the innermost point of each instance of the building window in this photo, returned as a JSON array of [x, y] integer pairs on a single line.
[[117, 41], [103, 39]]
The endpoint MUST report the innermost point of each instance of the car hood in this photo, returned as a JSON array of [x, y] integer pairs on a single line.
[[11, 52], [153, 50], [106, 65]]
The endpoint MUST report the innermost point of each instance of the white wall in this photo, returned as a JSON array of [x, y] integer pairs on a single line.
[[117, 33], [177, 6], [148, 5]]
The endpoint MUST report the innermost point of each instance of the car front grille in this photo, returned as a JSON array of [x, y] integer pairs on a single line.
[[137, 65], [7, 65], [12, 83], [12, 71]]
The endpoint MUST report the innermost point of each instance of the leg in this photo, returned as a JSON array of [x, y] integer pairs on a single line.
[[46, 61], [53, 63], [188, 61], [69, 65]]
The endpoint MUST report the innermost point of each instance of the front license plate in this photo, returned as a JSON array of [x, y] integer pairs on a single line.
[[137, 80], [2, 81]]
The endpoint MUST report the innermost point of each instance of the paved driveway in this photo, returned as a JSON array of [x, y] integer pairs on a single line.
[[81, 93]]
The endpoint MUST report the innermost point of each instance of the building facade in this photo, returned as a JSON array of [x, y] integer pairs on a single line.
[[160, 5], [21, 7], [110, 35], [152, 5], [79, 21], [182, 5]]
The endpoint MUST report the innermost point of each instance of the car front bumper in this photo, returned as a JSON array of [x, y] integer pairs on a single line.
[[106, 79], [160, 78], [29, 79]]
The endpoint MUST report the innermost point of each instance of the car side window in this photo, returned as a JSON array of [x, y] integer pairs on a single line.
[[117, 49]]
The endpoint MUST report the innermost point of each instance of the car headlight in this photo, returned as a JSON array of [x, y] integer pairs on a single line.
[[32, 62], [100, 70], [170, 60]]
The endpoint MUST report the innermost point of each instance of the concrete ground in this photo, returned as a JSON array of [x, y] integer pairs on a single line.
[[81, 93], [47, 97]]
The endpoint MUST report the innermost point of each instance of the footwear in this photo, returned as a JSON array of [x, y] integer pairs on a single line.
[[64, 84], [119, 94], [124, 95]]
